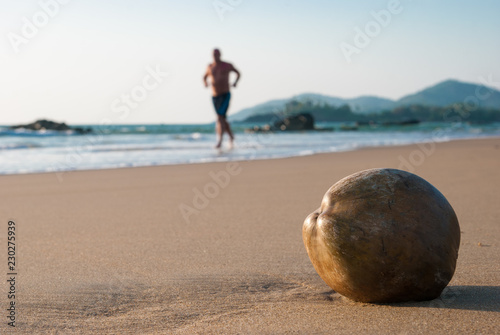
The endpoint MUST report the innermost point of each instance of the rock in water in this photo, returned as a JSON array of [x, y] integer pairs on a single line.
[[384, 235], [303, 121], [51, 125]]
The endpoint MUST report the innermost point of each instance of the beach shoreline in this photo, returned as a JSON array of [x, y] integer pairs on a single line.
[[217, 248], [155, 145], [63, 172]]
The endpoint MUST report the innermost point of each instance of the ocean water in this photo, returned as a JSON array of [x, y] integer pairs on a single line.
[[146, 145]]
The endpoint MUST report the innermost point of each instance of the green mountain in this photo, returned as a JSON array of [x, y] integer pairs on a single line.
[[370, 104], [452, 91], [361, 105], [443, 94]]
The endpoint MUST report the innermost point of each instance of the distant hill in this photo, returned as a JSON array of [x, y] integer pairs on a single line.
[[370, 104], [443, 94], [450, 92], [362, 105], [264, 108]]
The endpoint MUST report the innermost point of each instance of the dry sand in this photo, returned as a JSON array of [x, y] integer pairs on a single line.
[[109, 252]]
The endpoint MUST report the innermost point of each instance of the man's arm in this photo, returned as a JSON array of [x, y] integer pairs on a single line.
[[238, 75], [207, 74]]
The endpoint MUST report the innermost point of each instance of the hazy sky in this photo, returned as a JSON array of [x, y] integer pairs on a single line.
[[89, 61]]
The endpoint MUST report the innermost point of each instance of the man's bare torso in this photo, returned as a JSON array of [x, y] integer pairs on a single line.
[[219, 77]]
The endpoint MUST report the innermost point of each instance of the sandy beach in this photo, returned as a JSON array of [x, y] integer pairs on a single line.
[[217, 248]]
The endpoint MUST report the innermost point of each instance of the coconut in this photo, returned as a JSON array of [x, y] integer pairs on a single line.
[[384, 235]]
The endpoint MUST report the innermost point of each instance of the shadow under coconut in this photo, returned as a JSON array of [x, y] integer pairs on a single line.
[[474, 298]]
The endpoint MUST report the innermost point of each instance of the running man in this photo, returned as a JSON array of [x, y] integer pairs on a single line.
[[218, 72]]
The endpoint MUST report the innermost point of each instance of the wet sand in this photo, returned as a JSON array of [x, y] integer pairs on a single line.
[[169, 250]]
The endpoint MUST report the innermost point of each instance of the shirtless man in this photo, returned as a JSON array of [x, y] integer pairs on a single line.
[[218, 72]]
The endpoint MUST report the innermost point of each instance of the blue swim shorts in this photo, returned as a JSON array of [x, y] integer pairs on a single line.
[[221, 103]]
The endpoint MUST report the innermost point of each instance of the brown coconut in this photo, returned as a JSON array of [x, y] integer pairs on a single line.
[[384, 235]]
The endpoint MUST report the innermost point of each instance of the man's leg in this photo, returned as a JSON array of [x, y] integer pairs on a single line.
[[219, 129], [228, 130]]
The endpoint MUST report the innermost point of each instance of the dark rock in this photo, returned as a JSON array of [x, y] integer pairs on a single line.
[[81, 130], [347, 127], [402, 123], [303, 121], [298, 122], [51, 125], [258, 129]]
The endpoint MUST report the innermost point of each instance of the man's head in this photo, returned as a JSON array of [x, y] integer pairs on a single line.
[[216, 54]]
